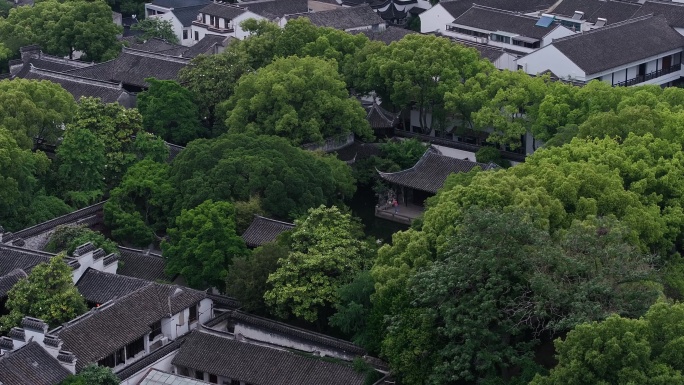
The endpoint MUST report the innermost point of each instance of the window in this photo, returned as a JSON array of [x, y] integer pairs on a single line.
[[213, 379], [185, 34], [135, 347], [199, 375], [181, 318], [464, 31], [151, 12], [196, 35], [183, 371], [193, 313], [156, 329], [108, 361], [503, 39], [121, 356]]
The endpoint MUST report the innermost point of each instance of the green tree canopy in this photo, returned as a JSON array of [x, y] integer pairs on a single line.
[[81, 166], [420, 69], [236, 167], [20, 170], [202, 245], [168, 110], [30, 108], [139, 209], [301, 99], [155, 27], [67, 238], [622, 351], [93, 374], [326, 252], [484, 278], [47, 293], [62, 28], [248, 275]]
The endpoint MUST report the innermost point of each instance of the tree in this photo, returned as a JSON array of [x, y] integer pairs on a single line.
[[81, 160], [420, 69], [62, 28], [20, 170], [93, 374], [326, 252], [483, 278], [622, 351], [202, 245], [354, 312], [117, 127], [491, 154], [212, 80], [403, 153], [30, 109], [155, 27], [236, 167], [301, 99], [247, 279], [139, 209], [168, 110], [67, 238], [48, 293]]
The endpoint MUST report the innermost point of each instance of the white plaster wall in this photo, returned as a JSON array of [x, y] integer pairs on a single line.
[[169, 327], [455, 153], [285, 341], [632, 72], [651, 66], [506, 62], [550, 58], [239, 32], [557, 33], [164, 364], [204, 310], [435, 19]]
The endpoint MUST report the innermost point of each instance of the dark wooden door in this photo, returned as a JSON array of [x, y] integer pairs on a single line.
[[667, 62]]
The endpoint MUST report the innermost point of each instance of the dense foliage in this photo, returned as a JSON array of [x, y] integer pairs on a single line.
[[67, 238], [93, 374], [202, 243], [236, 167], [48, 293]]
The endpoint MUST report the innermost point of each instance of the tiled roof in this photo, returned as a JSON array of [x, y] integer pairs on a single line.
[[209, 44], [8, 280], [612, 11], [174, 150], [431, 171], [490, 19], [357, 151], [177, 4], [140, 264], [263, 230], [111, 326], [79, 87], [155, 45], [379, 117], [186, 15], [388, 36], [457, 7], [31, 365], [154, 356], [227, 11], [486, 51], [98, 287], [620, 43], [292, 331], [74, 217], [345, 18], [273, 9], [157, 377], [672, 12], [132, 67], [259, 365], [12, 258]]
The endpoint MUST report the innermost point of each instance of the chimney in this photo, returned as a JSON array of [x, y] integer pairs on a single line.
[[68, 360]]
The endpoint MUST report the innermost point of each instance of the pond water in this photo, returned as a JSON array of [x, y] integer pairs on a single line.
[[363, 206]]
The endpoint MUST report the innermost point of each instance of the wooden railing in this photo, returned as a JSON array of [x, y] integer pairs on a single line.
[[649, 76]]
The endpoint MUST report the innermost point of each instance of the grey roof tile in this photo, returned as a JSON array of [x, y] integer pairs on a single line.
[[221, 355], [73, 217], [8, 281], [177, 4], [186, 15], [12, 258], [98, 287], [209, 44], [227, 11], [620, 43], [672, 12], [105, 329], [263, 230], [493, 20], [612, 11], [457, 7], [345, 18], [273, 9], [31, 365], [431, 171], [141, 264]]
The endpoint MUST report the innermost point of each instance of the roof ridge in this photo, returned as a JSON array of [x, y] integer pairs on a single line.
[[155, 55], [143, 252], [30, 251], [607, 27], [87, 209], [499, 10], [274, 220], [429, 150], [76, 78]]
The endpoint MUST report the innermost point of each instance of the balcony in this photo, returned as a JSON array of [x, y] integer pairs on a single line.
[[649, 76], [213, 28]]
